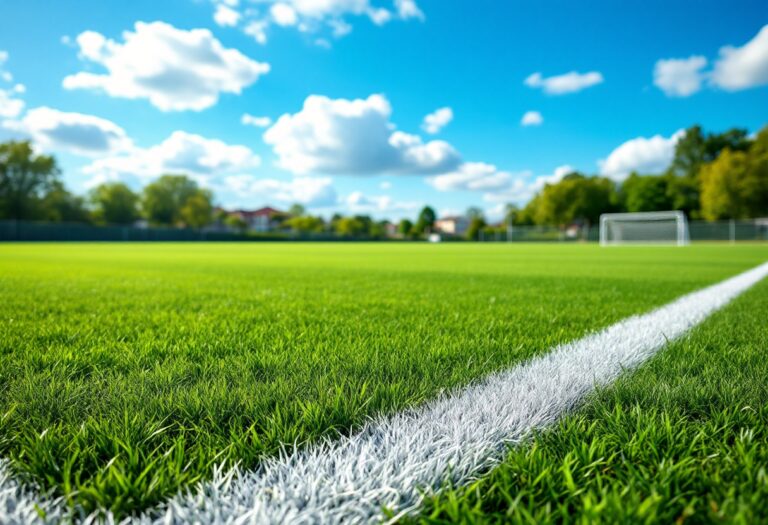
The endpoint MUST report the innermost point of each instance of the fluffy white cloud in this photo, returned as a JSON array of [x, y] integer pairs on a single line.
[[743, 67], [567, 83], [259, 122], [357, 202], [310, 16], [10, 105], [82, 134], [472, 176], [680, 77], [532, 118], [408, 9], [309, 191], [641, 154], [356, 137], [174, 69], [497, 186], [182, 152], [284, 15], [437, 120], [225, 16], [4, 74]]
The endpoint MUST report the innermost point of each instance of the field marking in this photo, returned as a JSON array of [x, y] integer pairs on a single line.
[[454, 438]]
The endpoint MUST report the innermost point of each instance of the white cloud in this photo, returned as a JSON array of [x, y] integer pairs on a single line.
[[408, 9], [174, 69], [258, 30], [641, 154], [225, 16], [571, 82], [357, 202], [259, 122], [309, 191], [88, 135], [10, 105], [680, 77], [181, 152], [385, 185], [532, 118], [311, 16], [497, 186], [284, 15], [437, 120], [472, 176], [355, 137], [4, 74], [743, 67]]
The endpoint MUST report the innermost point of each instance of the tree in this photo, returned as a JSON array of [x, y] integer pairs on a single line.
[[59, 205], [24, 178], [511, 213], [735, 185], [350, 226], [692, 151], [473, 212], [405, 228], [646, 193], [197, 210], [426, 220], [305, 224], [476, 224], [163, 200], [297, 210], [575, 198], [114, 203]]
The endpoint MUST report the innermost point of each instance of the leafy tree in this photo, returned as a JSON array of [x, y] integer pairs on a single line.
[[476, 224], [350, 226], [197, 210], [646, 193], [24, 178], [114, 203], [575, 198], [426, 220], [735, 185], [305, 224], [511, 213], [297, 210], [59, 205], [163, 200], [473, 212], [405, 228], [692, 151]]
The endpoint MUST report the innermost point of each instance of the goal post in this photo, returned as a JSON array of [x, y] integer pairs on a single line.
[[655, 227]]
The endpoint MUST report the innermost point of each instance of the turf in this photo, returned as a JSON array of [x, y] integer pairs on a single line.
[[683, 439], [127, 371]]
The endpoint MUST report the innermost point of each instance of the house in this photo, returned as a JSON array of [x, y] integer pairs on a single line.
[[260, 220], [452, 225]]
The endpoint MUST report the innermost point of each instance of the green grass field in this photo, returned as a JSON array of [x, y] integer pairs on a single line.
[[127, 371]]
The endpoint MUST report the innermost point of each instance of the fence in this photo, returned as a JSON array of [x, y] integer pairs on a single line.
[[64, 231], [755, 230], [751, 230]]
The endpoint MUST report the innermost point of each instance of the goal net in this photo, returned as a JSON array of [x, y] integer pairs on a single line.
[[658, 227]]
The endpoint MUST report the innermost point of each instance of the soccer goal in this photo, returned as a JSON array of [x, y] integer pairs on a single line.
[[657, 227]]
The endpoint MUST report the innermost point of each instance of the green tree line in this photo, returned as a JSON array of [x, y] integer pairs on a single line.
[[713, 176]]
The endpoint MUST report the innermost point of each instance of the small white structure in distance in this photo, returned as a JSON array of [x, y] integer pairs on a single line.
[[655, 227], [434, 237]]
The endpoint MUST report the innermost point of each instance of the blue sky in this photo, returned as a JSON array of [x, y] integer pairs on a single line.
[[346, 85]]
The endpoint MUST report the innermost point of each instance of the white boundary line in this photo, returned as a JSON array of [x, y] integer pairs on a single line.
[[392, 461]]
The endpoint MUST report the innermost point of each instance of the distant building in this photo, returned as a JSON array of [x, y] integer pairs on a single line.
[[261, 220], [453, 225]]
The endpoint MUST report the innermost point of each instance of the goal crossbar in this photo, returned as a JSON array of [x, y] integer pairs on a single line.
[[664, 227]]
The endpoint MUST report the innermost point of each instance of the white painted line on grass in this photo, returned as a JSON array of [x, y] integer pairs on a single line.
[[391, 462]]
